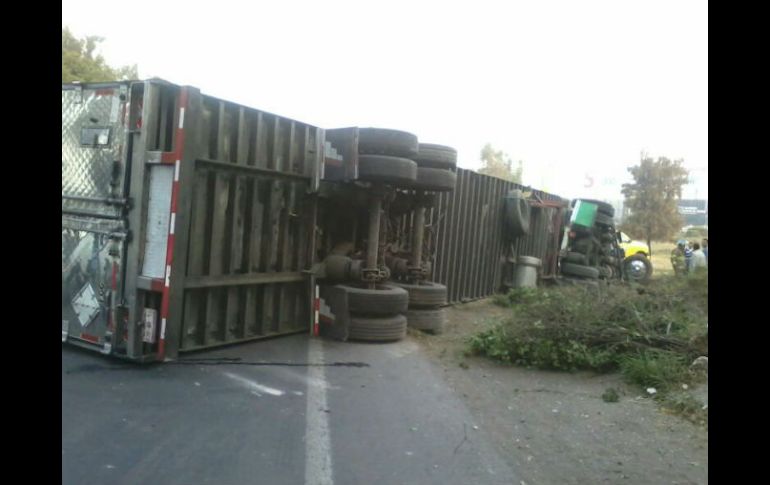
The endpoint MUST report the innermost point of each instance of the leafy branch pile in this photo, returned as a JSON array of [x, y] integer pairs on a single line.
[[651, 333]]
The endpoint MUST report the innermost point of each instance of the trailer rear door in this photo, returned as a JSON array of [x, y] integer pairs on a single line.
[[94, 206]]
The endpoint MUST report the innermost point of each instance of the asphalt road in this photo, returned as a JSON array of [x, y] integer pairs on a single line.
[[373, 414]]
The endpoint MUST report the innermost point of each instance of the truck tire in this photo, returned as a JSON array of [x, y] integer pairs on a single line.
[[637, 268], [379, 329], [604, 220], [583, 245], [391, 170], [384, 300], [575, 257], [426, 294], [580, 270], [516, 211], [436, 156], [382, 141], [529, 261], [435, 180], [431, 321]]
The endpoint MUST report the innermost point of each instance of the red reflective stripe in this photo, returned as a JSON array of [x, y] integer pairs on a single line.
[[105, 92], [90, 338], [171, 157], [174, 196]]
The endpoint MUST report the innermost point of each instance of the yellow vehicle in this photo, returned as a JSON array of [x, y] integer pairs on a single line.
[[633, 247], [636, 264]]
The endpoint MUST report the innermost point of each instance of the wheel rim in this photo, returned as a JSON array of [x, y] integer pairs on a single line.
[[637, 269]]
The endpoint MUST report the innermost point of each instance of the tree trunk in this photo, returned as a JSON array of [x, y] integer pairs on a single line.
[[649, 242]]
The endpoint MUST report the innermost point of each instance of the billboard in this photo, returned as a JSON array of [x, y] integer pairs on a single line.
[[694, 211]]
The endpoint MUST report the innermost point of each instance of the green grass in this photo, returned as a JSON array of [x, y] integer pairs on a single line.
[[685, 405], [653, 368]]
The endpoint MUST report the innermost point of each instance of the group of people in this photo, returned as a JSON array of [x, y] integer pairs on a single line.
[[688, 257]]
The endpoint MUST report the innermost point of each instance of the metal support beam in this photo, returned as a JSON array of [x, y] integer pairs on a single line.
[[418, 231], [375, 207]]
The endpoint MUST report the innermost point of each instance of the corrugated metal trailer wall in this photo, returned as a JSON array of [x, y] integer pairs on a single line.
[[471, 254], [250, 231], [219, 201]]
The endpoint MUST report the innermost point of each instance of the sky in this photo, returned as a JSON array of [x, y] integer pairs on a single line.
[[576, 90]]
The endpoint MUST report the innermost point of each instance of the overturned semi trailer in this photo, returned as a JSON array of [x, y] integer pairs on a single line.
[[190, 222], [187, 220]]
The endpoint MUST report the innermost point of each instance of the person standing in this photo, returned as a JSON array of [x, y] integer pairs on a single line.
[[687, 256], [677, 258], [706, 249], [698, 261]]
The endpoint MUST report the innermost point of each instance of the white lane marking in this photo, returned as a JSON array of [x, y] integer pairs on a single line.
[[318, 458], [255, 387]]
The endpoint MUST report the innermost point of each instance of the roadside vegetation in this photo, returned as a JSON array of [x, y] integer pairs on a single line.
[[651, 334]]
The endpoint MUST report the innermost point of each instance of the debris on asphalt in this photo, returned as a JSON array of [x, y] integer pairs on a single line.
[[610, 395]]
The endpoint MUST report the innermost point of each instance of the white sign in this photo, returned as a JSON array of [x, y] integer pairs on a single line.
[[150, 317], [86, 305]]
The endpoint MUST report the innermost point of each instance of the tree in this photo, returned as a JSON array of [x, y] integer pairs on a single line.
[[80, 63], [498, 164], [652, 199]]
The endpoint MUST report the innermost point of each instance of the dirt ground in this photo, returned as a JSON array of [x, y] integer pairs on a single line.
[[554, 427]]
